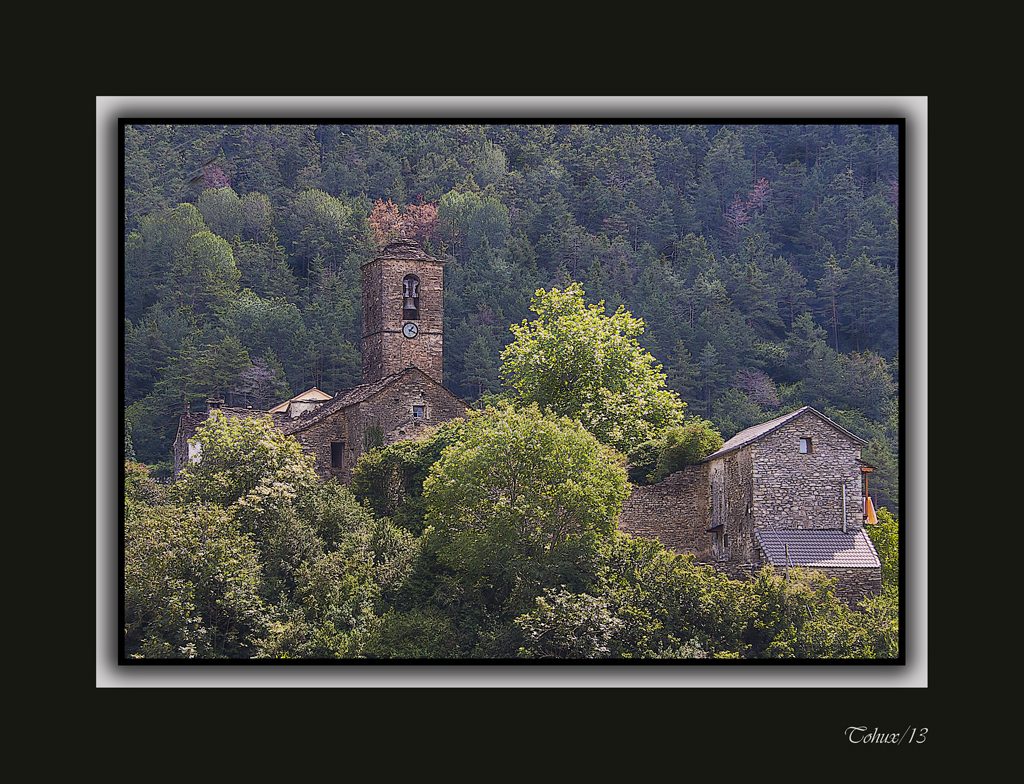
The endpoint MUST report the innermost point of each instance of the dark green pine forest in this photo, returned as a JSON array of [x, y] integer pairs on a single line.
[[763, 259]]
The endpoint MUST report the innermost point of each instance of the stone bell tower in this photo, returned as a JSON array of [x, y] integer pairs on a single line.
[[403, 312]]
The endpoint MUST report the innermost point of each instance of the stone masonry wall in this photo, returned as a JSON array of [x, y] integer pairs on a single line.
[[385, 349], [794, 490], [732, 493], [391, 410], [674, 511], [316, 440], [852, 584], [767, 482], [187, 426]]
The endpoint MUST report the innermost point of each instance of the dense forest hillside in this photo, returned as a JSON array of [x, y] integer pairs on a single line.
[[763, 259]]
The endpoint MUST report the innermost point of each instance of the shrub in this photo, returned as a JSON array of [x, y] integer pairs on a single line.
[[675, 448]]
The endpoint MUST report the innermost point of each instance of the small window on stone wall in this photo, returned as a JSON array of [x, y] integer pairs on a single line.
[[805, 446], [419, 411], [337, 455]]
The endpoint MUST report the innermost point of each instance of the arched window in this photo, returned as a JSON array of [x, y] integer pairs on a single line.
[[411, 298]]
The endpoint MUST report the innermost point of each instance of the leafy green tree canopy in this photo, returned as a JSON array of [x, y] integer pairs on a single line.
[[568, 626], [191, 585], [580, 363], [673, 450], [885, 536], [389, 480], [522, 500], [247, 464]]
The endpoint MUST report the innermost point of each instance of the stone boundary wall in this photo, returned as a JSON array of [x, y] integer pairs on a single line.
[[674, 511], [852, 583]]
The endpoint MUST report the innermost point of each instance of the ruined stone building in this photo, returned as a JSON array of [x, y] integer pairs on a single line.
[[402, 394], [789, 492]]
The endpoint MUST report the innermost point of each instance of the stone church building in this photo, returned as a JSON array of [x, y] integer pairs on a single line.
[[791, 492], [402, 394]]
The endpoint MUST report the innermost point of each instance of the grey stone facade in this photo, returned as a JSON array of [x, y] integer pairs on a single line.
[[799, 473], [853, 584], [401, 397], [816, 489]]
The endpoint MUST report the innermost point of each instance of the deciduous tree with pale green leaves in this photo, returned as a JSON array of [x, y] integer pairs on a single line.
[[522, 502], [885, 536], [191, 585], [204, 276], [580, 363], [248, 466]]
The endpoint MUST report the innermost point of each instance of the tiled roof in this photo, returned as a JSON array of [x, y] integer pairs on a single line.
[[288, 426], [745, 437], [346, 398], [309, 396], [819, 549]]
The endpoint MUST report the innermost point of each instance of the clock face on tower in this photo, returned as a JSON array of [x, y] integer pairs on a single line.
[[409, 330]]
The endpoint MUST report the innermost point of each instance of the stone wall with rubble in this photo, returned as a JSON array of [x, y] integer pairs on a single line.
[[805, 491], [731, 493], [392, 411], [674, 511]]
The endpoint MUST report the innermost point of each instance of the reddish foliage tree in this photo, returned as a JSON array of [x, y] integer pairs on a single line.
[[418, 222], [735, 216], [758, 197], [384, 221], [893, 196]]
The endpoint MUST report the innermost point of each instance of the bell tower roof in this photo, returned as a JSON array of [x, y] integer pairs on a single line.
[[403, 248]]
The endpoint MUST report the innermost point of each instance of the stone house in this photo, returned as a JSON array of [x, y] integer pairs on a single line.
[[402, 395], [789, 492]]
